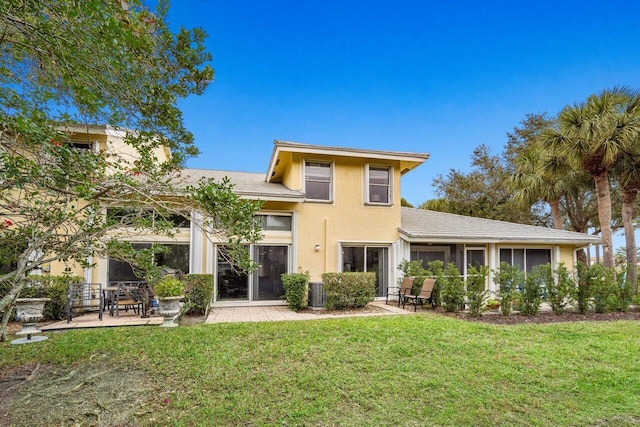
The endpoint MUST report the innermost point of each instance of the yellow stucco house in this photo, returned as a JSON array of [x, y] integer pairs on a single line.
[[332, 209]]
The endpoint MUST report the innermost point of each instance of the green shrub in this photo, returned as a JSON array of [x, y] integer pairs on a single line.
[[198, 293], [168, 286], [583, 289], [532, 290], [622, 293], [347, 290], [54, 288], [476, 289], [412, 268], [435, 269], [559, 287], [296, 289], [453, 289], [602, 285], [509, 279]]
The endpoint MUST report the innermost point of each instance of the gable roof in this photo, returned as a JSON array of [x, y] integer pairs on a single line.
[[407, 159], [439, 227], [246, 184]]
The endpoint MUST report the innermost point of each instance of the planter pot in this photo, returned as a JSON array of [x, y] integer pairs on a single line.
[[29, 312], [169, 309]]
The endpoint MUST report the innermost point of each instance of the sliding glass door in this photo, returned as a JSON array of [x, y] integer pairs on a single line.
[[272, 261], [370, 259], [263, 284], [232, 285]]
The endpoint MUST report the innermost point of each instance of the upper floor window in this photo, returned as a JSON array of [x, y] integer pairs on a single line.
[[274, 222], [317, 181], [379, 185]]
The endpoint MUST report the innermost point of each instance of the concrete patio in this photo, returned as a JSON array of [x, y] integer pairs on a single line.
[[219, 315]]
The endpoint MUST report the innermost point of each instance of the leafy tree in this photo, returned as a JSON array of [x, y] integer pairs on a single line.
[[64, 67], [482, 192]]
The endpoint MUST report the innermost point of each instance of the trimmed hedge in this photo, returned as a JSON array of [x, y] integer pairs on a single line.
[[296, 289], [198, 293], [348, 290]]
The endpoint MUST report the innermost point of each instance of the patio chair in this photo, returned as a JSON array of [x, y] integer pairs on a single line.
[[425, 294], [84, 296], [405, 289], [129, 295]]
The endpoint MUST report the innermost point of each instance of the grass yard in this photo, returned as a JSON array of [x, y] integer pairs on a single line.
[[392, 370]]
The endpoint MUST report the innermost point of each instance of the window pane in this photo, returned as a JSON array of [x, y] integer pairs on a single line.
[[379, 176], [537, 257], [518, 258], [318, 171], [475, 257], [378, 194], [352, 259], [318, 190], [275, 222], [505, 256]]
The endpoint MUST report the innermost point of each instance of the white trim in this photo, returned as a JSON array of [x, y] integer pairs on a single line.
[[196, 237]]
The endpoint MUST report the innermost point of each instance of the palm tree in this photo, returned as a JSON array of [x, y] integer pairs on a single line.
[[591, 136], [627, 171], [531, 182]]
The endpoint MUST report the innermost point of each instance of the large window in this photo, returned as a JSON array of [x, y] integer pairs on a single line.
[[176, 258], [379, 185], [317, 181], [526, 259]]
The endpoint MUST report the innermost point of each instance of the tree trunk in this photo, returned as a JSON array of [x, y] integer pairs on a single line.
[[7, 304], [629, 197], [558, 224], [603, 193]]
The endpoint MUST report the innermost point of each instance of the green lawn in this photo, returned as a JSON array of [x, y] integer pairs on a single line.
[[395, 370]]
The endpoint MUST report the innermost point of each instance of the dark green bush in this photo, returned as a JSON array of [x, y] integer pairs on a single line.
[[533, 290], [622, 293], [559, 287], [198, 293], [347, 290], [476, 289], [509, 279], [583, 290], [53, 287], [453, 289], [296, 290], [601, 283]]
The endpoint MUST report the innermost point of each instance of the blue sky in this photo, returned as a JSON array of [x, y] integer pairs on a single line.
[[428, 76]]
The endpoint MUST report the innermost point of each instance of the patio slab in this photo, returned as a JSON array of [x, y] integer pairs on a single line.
[[283, 313], [91, 320]]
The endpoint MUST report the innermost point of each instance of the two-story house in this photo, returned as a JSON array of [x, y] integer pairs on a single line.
[[331, 209]]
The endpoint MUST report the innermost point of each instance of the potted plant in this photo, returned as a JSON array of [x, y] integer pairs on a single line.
[[29, 312], [493, 304], [169, 291]]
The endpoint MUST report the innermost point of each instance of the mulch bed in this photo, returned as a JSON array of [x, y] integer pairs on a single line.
[[544, 317]]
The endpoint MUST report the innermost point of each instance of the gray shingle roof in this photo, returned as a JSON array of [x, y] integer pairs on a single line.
[[424, 225], [247, 184]]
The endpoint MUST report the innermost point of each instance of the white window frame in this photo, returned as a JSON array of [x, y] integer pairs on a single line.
[[331, 180], [367, 185]]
